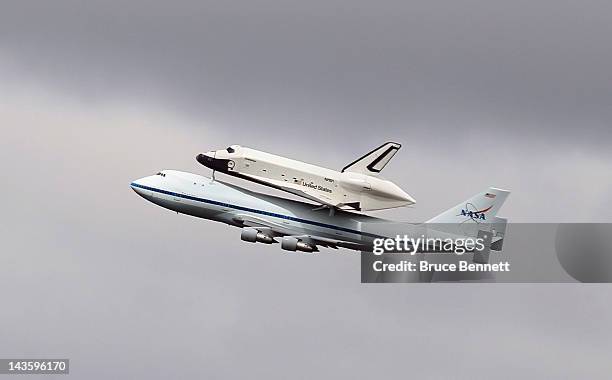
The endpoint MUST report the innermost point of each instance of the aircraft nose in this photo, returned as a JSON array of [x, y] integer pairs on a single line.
[[209, 160], [205, 159], [137, 186], [141, 186]]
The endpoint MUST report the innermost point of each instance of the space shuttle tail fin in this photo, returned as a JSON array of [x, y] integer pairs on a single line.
[[373, 162]]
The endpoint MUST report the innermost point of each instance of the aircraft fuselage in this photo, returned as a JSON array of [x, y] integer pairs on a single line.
[[203, 197]]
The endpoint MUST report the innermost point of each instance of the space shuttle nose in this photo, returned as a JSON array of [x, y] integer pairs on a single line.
[[208, 159], [204, 159]]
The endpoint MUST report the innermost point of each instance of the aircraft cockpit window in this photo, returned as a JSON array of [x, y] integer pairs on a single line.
[[161, 174], [230, 149]]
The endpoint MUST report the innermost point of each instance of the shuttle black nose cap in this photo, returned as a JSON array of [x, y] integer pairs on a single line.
[[204, 160], [212, 163]]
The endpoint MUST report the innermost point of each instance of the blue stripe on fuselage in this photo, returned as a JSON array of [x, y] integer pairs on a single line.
[[261, 212]]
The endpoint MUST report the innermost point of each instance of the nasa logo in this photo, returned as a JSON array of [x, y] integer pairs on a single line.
[[473, 214], [470, 211]]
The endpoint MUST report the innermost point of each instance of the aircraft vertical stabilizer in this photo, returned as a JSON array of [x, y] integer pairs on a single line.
[[374, 162]]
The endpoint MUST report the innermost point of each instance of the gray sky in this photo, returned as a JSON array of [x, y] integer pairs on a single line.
[[513, 94]]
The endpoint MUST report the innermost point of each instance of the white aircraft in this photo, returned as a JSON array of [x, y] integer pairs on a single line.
[[356, 187], [268, 219]]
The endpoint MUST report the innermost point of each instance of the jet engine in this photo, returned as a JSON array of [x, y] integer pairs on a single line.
[[252, 235], [289, 243]]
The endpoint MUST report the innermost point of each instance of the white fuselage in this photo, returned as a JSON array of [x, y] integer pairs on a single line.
[[206, 198], [346, 190], [312, 225]]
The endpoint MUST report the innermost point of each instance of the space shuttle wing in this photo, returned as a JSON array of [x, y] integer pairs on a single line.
[[313, 197], [295, 188]]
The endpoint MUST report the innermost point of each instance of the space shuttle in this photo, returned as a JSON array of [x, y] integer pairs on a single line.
[[356, 187]]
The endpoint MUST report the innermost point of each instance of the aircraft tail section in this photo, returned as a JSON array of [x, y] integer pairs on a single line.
[[481, 208], [373, 162]]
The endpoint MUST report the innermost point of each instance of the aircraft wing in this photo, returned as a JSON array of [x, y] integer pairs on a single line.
[[294, 189], [330, 243], [278, 230], [262, 225], [351, 203]]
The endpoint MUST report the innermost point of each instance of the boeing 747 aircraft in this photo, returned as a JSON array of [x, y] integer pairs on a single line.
[[301, 226]]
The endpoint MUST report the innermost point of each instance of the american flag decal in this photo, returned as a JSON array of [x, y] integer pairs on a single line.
[[489, 195]]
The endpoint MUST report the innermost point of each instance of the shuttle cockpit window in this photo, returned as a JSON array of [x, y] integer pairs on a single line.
[[232, 149]]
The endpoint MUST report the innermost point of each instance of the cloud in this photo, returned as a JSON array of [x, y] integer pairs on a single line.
[[94, 95], [417, 70], [94, 273]]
